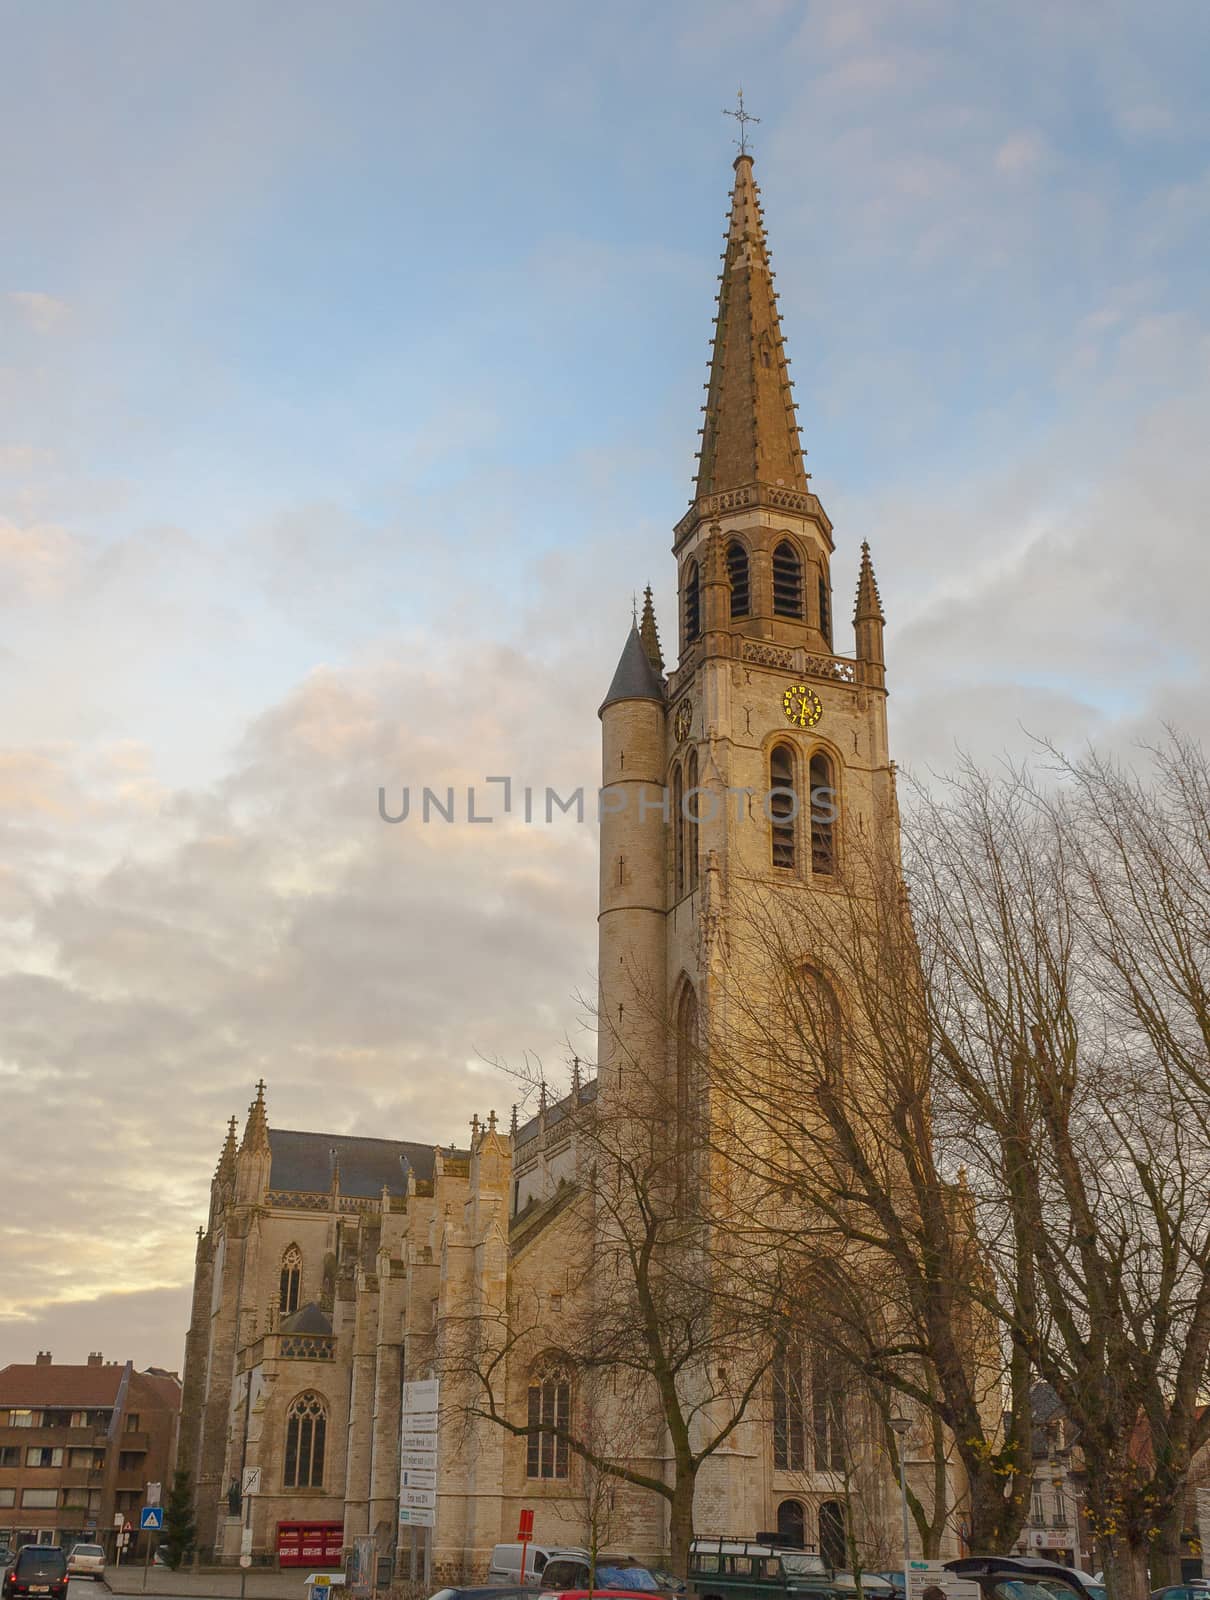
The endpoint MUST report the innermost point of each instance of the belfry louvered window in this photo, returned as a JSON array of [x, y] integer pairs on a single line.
[[783, 805], [824, 812], [737, 574], [693, 602], [825, 612], [787, 581], [690, 822]]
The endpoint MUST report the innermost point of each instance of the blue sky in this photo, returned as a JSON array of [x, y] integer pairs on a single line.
[[350, 366]]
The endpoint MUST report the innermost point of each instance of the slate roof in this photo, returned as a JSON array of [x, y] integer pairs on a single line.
[[303, 1162], [307, 1319], [635, 678]]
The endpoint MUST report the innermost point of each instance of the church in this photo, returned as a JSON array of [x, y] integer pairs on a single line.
[[329, 1265]]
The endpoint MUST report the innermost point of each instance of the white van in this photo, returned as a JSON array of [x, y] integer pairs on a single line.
[[505, 1567]]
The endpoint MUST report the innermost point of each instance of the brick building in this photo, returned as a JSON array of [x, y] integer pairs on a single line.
[[79, 1444]]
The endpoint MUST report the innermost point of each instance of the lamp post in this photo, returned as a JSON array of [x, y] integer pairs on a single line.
[[901, 1427]]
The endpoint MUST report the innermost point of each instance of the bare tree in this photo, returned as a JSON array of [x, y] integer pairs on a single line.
[[660, 1325]]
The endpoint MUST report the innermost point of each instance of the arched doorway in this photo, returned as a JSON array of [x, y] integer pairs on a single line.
[[831, 1535], [792, 1524]]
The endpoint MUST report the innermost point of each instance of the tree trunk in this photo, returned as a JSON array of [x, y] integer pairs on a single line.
[[1165, 1557], [680, 1522], [1125, 1570]]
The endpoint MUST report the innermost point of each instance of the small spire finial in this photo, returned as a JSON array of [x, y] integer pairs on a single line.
[[743, 118], [634, 608], [491, 1121], [512, 1127], [649, 633]]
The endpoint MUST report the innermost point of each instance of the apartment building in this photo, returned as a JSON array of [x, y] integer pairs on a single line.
[[79, 1445]]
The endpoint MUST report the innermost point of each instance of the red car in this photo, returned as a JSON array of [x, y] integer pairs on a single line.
[[595, 1594]]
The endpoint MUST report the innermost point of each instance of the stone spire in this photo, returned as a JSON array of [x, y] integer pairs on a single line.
[[226, 1160], [750, 433], [256, 1129], [869, 602], [649, 633]]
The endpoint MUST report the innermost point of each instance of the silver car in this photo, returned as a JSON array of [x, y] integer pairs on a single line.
[[86, 1561]]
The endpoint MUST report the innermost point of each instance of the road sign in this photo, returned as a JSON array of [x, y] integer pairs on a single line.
[[151, 1517], [126, 1528], [418, 1478], [153, 1494], [117, 1519], [526, 1529], [251, 1483], [928, 1580], [417, 1460], [321, 1580], [417, 1517]]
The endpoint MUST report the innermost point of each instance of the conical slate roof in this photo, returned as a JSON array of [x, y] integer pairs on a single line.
[[751, 432], [635, 678]]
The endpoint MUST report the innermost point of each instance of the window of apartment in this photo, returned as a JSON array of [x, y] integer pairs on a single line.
[[24, 1419], [130, 1460], [1039, 1511], [10, 1455], [56, 1419], [132, 1422], [8, 1497], [43, 1455], [92, 1459], [39, 1499]]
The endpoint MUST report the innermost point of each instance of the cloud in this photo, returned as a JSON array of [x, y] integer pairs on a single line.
[[1020, 154], [41, 312]]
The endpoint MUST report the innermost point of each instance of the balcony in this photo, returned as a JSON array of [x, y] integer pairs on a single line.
[[139, 1442]]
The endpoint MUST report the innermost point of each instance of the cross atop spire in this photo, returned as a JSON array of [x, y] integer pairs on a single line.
[[743, 118], [751, 433]]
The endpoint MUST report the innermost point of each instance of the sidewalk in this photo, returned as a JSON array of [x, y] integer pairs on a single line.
[[215, 1583]]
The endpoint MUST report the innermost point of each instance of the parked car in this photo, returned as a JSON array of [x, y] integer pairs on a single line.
[[1021, 1578], [1176, 1591], [564, 1574], [508, 1559], [40, 1569], [86, 1561], [483, 1594], [740, 1569]]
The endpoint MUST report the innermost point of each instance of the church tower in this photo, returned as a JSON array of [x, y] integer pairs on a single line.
[[758, 763]]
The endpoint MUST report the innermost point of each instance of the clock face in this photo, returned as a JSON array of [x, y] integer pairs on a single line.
[[802, 706], [683, 720]]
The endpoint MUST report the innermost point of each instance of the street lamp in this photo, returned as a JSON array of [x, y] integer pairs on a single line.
[[901, 1427]]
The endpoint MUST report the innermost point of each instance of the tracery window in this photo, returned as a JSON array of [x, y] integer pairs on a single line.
[[678, 832], [827, 1412], [306, 1436], [787, 581], [789, 1408], [822, 1021], [291, 1279], [737, 573], [546, 1455], [825, 611]]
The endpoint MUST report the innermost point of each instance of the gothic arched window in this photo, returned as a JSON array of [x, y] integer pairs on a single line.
[[827, 1412], [789, 1408], [693, 602], [690, 821], [737, 574], [824, 813], [822, 1021], [832, 1541], [783, 805], [792, 1524], [306, 1434], [291, 1279], [825, 610], [549, 1407], [678, 834], [686, 1054], [787, 581]]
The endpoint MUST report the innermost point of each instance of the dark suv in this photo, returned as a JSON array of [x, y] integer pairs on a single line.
[[40, 1569]]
